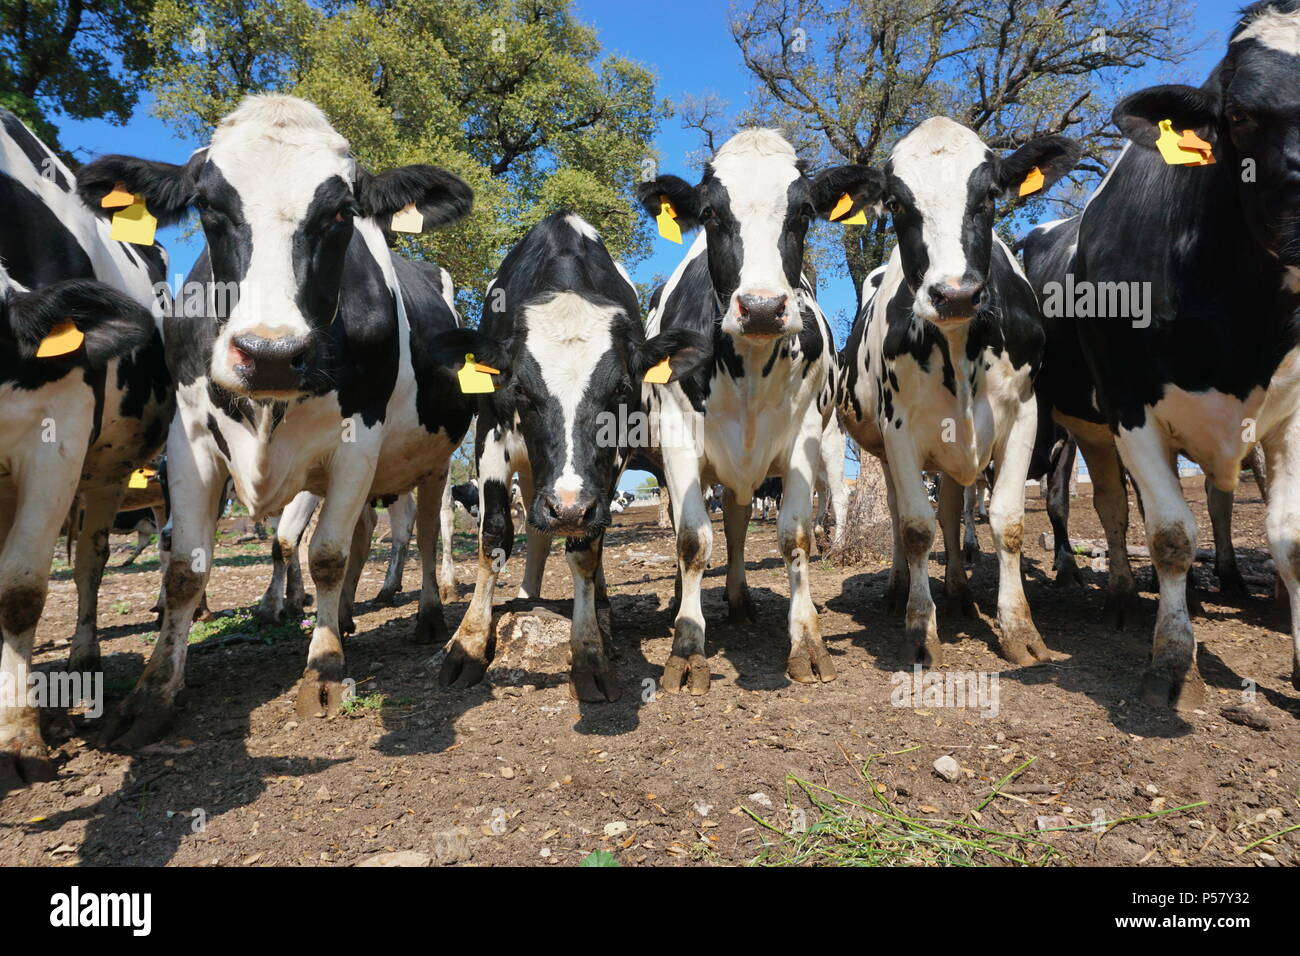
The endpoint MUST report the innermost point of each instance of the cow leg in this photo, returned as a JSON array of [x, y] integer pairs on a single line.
[[687, 665], [357, 557], [401, 521], [809, 660], [972, 499], [1064, 565], [1219, 504], [430, 625], [100, 505], [1282, 523], [735, 522], [1172, 678], [197, 481], [831, 480], [896, 590], [466, 655], [952, 498], [920, 641], [1110, 499], [538, 547], [665, 509], [447, 528], [591, 676], [1018, 637], [282, 597], [32, 522]]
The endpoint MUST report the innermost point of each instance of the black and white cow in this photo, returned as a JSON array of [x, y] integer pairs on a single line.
[[561, 323], [74, 424], [319, 377], [939, 368], [1214, 364], [760, 407], [466, 495], [767, 498]]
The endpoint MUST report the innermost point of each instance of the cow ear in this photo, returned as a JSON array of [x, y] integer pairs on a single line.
[[440, 197], [684, 350], [1051, 156], [90, 319], [1140, 114], [685, 200], [863, 185], [168, 189]]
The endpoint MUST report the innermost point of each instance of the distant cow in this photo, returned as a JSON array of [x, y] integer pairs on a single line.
[[767, 498], [466, 495], [318, 376]]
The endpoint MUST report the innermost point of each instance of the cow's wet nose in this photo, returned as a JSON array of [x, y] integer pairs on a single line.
[[957, 301], [574, 513], [270, 364], [762, 314]]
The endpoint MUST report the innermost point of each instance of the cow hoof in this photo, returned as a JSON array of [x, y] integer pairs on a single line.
[[962, 601], [1069, 576], [970, 554], [430, 628], [1118, 606], [1232, 585], [387, 597], [318, 696], [809, 665], [460, 668], [85, 662], [25, 760], [691, 674], [142, 720], [1023, 647], [894, 600], [594, 682], [918, 647], [347, 624], [1164, 687], [741, 610]]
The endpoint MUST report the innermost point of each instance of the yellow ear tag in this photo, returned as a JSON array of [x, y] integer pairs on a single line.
[[1033, 182], [139, 479], [134, 224], [1174, 153], [62, 339], [667, 220], [117, 198], [473, 380], [408, 219], [842, 207], [659, 374]]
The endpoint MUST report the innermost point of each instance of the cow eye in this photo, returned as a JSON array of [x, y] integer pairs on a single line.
[[201, 203], [1240, 119], [706, 214]]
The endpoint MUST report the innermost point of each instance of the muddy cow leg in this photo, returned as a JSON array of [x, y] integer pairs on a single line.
[[591, 676], [687, 666], [281, 597], [809, 659], [735, 523], [952, 499], [100, 507], [920, 643]]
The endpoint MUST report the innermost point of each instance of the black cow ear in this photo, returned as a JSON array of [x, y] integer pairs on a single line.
[[440, 197], [683, 196], [684, 350], [168, 189], [863, 185], [1038, 164], [1139, 115], [79, 317]]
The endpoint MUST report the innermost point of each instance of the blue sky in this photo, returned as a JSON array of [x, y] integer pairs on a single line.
[[685, 41]]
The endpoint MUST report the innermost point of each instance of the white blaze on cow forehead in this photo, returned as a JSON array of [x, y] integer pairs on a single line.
[[757, 166], [582, 227], [567, 336], [1275, 30]]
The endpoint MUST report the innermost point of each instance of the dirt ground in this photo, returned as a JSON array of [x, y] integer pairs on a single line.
[[524, 775]]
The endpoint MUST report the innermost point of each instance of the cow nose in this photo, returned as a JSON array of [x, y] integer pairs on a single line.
[[956, 301], [573, 515], [270, 363], [761, 314]]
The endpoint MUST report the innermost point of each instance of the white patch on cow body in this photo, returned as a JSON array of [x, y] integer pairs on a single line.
[[1275, 30], [1291, 279]]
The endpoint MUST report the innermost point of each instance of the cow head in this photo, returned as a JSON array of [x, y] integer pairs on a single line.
[[941, 188], [754, 204], [1250, 112], [571, 376], [280, 198]]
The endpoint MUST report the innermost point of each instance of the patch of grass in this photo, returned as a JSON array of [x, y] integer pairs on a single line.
[[230, 626], [121, 607], [363, 702], [849, 832], [599, 858]]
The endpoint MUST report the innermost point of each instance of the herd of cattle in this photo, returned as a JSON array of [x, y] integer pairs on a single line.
[[340, 373]]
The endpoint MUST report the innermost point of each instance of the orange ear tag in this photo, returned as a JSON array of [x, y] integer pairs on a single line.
[[117, 198], [1191, 142], [475, 379], [659, 374], [408, 219], [61, 339], [133, 224], [139, 479], [1175, 153], [842, 207], [1033, 182], [667, 220]]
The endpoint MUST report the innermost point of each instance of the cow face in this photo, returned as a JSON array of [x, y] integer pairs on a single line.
[[942, 184], [755, 203], [279, 197], [1250, 112], [571, 377]]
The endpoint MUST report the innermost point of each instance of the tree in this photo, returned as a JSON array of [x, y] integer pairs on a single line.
[[78, 58], [849, 77], [510, 94]]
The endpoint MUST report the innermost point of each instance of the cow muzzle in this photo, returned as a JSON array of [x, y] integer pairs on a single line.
[[763, 315], [568, 513], [956, 300], [269, 364]]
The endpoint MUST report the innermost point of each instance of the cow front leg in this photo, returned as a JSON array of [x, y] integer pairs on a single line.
[[687, 666], [970, 542], [538, 546], [735, 523], [1064, 564], [809, 660], [1172, 678], [1219, 505], [358, 554], [430, 625], [1110, 500], [1283, 523], [953, 500], [831, 488], [1018, 637], [920, 643], [591, 676], [447, 528], [899, 583], [285, 595], [100, 507], [401, 521], [197, 494]]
